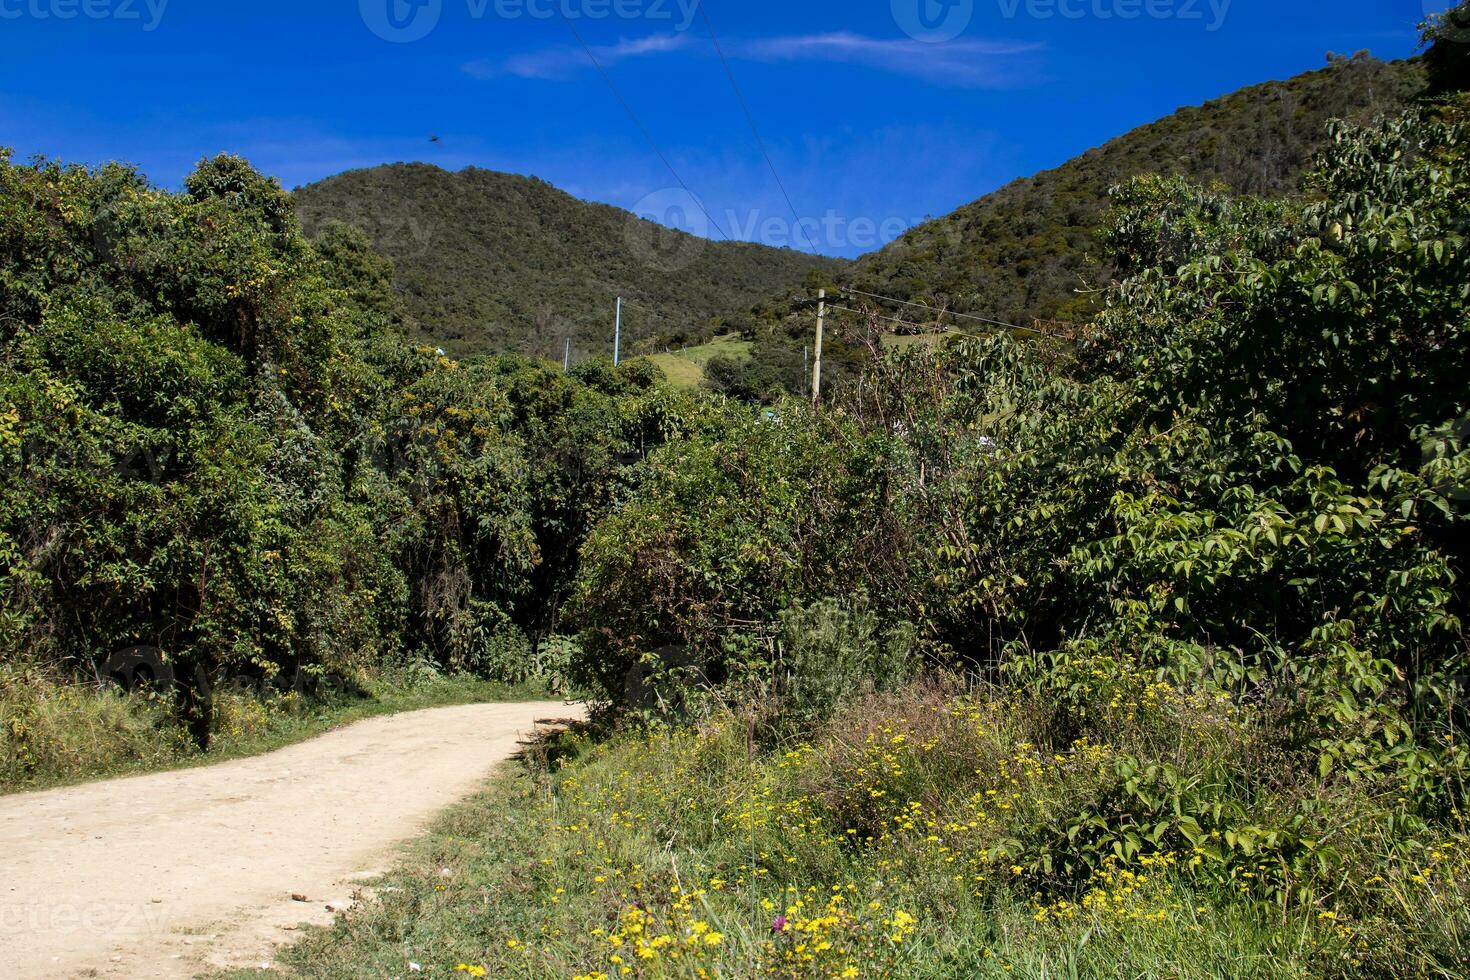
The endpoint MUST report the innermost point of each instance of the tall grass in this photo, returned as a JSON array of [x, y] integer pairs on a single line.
[[55, 731]]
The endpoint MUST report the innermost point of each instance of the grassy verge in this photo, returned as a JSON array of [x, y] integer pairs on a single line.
[[56, 734], [898, 843]]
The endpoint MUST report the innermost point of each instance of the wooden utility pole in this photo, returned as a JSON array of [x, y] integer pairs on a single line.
[[618, 336], [817, 369]]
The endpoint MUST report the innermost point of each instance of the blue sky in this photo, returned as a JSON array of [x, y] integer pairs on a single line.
[[877, 113]]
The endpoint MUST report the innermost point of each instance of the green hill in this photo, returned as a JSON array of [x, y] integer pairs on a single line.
[[1030, 249], [490, 262]]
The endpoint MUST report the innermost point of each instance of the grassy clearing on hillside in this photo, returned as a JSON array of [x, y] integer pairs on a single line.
[[57, 734], [685, 368], [892, 845]]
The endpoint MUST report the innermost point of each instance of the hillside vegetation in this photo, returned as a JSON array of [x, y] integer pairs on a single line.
[[1025, 251], [496, 263], [1031, 250], [687, 366]]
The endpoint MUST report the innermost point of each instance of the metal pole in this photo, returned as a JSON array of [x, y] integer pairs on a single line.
[[566, 366]]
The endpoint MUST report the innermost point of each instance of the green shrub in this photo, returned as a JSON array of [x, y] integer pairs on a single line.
[[831, 653]]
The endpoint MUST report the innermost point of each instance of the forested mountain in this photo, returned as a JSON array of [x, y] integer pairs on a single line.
[[1026, 250], [490, 262], [1033, 251]]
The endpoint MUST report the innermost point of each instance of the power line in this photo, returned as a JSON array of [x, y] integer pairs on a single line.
[[875, 316], [647, 136], [754, 129], [921, 306], [910, 323]]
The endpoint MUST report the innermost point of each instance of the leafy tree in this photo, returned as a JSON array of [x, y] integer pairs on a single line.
[[1448, 58]]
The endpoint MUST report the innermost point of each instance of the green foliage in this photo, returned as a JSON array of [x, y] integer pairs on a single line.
[[746, 516], [1448, 58], [492, 263], [214, 441], [764, 376], [1028, 249], [830, 654]]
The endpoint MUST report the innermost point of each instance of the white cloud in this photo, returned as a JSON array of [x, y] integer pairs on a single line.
[[966, 63], [962, 63], [562, 62]]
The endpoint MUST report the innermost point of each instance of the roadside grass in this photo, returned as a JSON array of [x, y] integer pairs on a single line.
[[504, 884], [57, 734], [878, 849], [685, 368]]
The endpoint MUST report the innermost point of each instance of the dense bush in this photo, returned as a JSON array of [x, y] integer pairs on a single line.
[[732, 525]]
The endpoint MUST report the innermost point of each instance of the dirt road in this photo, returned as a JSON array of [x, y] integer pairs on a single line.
[[170, 874]]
